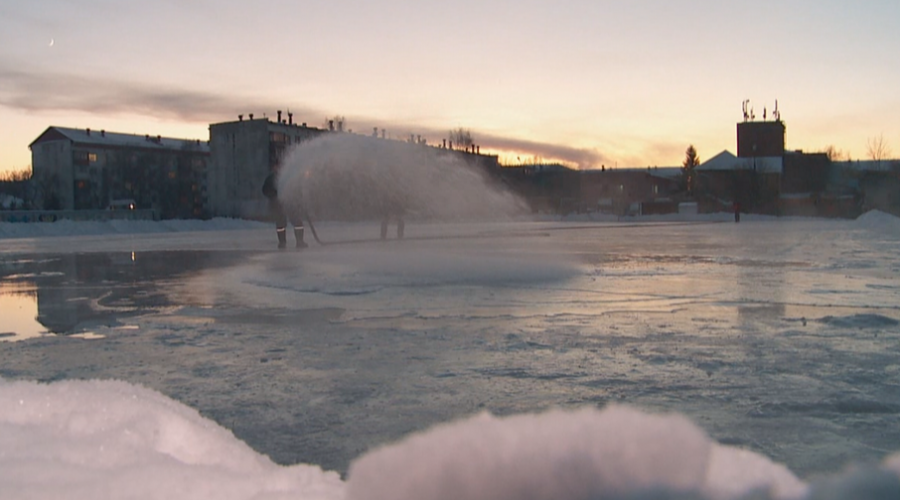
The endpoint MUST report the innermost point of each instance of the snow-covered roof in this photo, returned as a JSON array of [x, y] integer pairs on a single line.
[[115, 139], [662, 172], [666, 172], [727, 161]]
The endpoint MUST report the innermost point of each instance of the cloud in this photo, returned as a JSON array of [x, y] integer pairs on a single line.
[[34, 91], [29, 91], [583, 158]]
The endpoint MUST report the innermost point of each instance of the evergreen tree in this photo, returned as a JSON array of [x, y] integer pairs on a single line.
[[688, 169]]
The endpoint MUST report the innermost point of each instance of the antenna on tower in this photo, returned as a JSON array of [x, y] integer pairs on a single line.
[[775, 113], [744, 107]]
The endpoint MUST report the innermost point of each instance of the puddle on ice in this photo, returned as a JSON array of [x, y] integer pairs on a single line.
[[75, 294], [20, 313]]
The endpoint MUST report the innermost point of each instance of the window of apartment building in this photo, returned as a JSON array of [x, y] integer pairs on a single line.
[[656, 189], [278, 137], [92, 157], [80, 158]]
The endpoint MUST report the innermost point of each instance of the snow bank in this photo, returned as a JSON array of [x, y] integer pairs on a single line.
[[583, 454], [875, 219], [110, 439]]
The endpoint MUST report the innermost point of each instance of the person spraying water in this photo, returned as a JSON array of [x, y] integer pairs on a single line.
[[278, 213]]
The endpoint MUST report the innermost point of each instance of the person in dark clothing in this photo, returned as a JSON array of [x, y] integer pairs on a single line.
[[276, 209], [392, 208], [400, 226]]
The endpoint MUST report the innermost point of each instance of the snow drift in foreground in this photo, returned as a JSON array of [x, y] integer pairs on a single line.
[[111, 439]]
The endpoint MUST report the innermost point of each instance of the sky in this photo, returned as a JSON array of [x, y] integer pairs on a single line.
[[589, 83]]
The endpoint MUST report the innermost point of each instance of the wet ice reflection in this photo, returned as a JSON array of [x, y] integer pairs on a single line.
[[74, 294], [18, 304]]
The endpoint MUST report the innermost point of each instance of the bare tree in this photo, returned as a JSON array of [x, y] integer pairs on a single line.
[[16, 175], [461, 138], [835, 154], [877, 149]]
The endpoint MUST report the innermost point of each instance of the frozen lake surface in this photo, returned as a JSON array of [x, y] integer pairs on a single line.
[[778, 336]]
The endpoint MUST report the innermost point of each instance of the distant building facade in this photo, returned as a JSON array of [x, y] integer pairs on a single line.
[[760, 139], [766, 178], [243, 152], [84, 169], [555, 188]]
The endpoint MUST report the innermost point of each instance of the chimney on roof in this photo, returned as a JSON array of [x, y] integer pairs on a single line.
[[240, 118], [251, 116], [279, 116], [88, 130], [159, 139], [290, 118], [331, 125], [147, 137], [102, 133]]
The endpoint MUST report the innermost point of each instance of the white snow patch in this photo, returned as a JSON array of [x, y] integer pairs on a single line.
[[109, 439], [581, 454]]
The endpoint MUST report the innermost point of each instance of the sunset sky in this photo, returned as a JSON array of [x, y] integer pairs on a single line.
[[588, 82]]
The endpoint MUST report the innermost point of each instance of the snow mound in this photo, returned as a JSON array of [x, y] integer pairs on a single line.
[[584, 454], [876, 219], [110, 439]]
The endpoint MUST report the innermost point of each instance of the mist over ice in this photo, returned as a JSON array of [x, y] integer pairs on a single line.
[[352, 177]]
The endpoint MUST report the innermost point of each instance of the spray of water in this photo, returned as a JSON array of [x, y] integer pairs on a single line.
[[352, 177]]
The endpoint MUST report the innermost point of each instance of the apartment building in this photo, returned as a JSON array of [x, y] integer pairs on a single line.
[[84, 169]]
